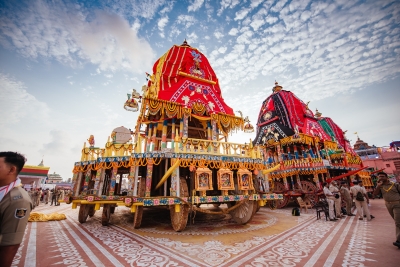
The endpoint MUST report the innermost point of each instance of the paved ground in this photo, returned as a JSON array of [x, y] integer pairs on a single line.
[[273, 238]]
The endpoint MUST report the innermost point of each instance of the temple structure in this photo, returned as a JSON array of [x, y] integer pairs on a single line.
[[34, 176], [380, 158]]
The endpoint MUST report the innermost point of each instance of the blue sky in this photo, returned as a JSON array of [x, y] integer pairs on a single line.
[[66, 66]]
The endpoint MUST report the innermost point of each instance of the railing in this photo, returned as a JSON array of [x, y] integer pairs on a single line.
[[200, 146]]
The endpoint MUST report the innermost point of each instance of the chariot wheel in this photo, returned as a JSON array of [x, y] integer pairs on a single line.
[[258, 207], [311, 191], [279, 188], [245, 212], [83, 213], [91, 211], [272, 204], [105, 217], [138, 215], [179, 219]]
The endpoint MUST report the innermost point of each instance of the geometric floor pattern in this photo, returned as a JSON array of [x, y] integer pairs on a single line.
[[273, 238]]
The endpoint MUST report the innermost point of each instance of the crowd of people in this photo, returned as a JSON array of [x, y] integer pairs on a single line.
[[45, 196], [335, 193]]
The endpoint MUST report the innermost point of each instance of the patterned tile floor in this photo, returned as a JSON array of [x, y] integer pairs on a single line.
[[273, 238]]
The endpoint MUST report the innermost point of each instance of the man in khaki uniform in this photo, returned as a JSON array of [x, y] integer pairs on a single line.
[[337, 199], [15, 206], [391, 194], [360, 205], [345, 194]]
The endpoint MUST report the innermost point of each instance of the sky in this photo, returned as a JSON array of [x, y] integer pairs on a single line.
[[66, 66]]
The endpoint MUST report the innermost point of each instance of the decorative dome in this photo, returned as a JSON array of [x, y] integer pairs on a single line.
[[360, 144], [183, 75], [283, 114]]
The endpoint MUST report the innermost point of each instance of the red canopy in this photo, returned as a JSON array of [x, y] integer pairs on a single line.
[[184, 75]]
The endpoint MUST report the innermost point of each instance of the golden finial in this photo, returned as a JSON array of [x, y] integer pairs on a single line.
[[317, 113], [277, 87]]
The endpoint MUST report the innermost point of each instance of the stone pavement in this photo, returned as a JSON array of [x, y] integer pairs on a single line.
[[273, 238]]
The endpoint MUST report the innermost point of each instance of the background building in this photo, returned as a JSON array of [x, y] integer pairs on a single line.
[[54, 178], [33, 176], [387, 158]]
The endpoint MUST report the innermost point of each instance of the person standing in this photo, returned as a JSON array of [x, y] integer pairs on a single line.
[[345, 193], [337, 199], [15, 206], [46, 196], [360, 183], [391, 194], [361, 205], [330, 199]]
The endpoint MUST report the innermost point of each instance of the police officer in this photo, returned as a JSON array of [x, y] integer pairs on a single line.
[[15, 206]]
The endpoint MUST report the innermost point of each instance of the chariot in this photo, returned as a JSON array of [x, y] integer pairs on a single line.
[[310, 149], [178, 155]]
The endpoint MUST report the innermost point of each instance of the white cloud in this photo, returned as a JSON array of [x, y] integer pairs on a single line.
[[233, 32], [147, 8], [70, 35], [278, 6], [227, 4], [195, 5], [222, 49], [186, 20], [218, 34], [17, 104], [241, 14], [192, 38], [161, 25]]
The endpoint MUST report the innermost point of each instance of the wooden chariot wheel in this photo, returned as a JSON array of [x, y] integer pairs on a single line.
[[91, 211], [138, 215], [105, 217], [279, 188], [83, 213], [272, 204], [245, 212], [310, 190], [179, 219]]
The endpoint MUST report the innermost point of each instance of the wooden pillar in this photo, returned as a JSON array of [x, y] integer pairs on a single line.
[[173, 134], [296, 153], [87, 179], [131, 177], [136, 181], [76, 179], [149, 177], [149, 138], [97, 181], [285, 183], [175, 185], [164, 134], [298, 181], [165, 170], [113, 181], [209, 135], [316, 181], [153, 144], [265, 181], [101, 183]]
